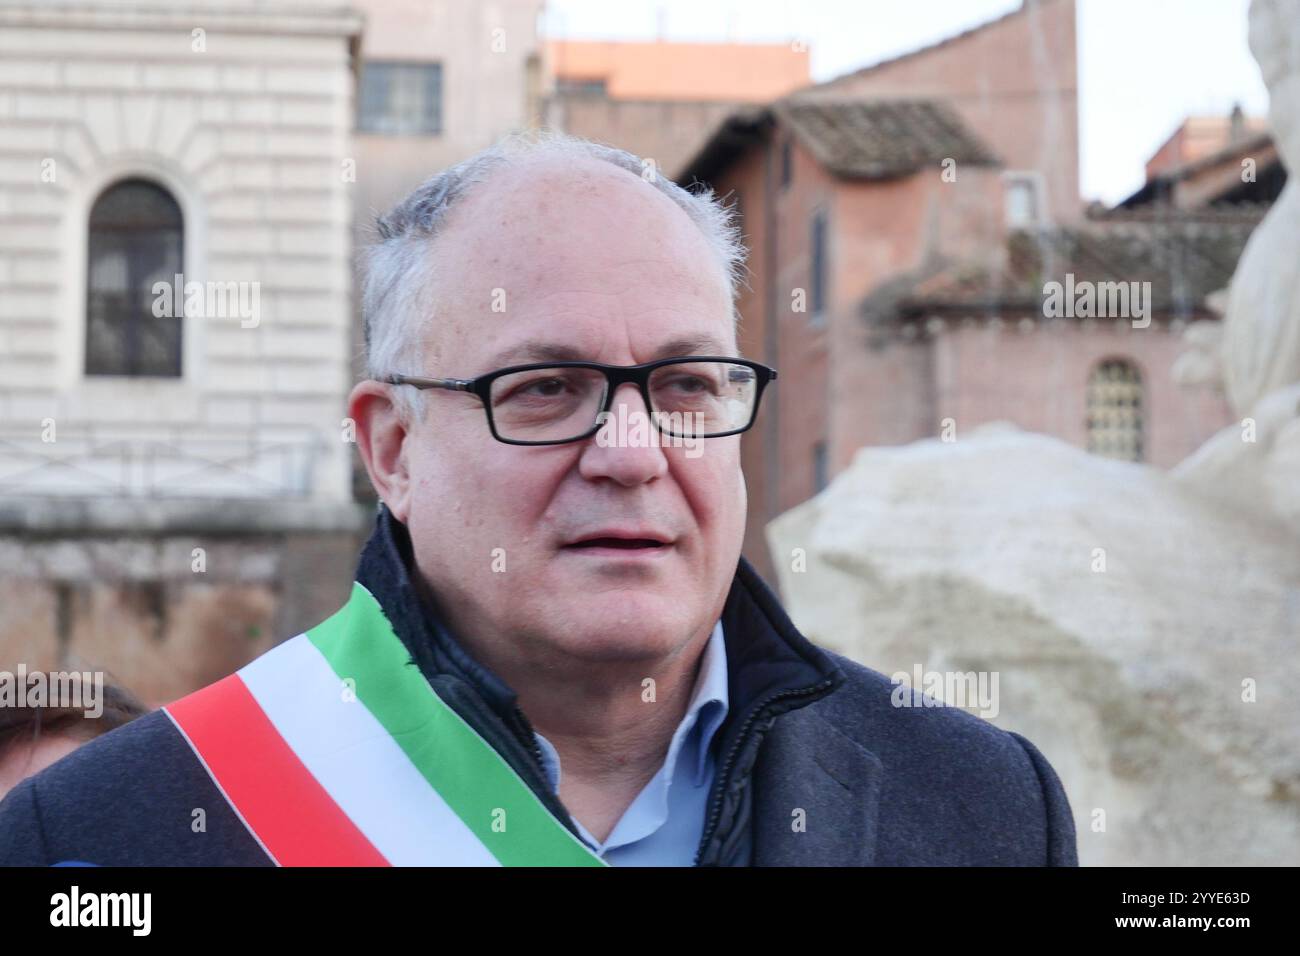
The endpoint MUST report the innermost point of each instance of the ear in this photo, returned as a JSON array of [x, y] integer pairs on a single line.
[[381, 439]]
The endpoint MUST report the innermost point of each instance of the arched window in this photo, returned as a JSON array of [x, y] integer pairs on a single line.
[[1115, 410], [136, 233]]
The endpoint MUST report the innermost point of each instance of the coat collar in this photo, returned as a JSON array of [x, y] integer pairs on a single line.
[[816, 796], [385, 570]]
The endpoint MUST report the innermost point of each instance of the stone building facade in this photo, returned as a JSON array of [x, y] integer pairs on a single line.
[[175, 316]]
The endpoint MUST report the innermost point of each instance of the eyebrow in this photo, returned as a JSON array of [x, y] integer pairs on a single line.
[[539, 350]]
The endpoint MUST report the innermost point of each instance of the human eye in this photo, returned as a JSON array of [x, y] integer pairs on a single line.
[[690, 384], [551, 386], [538, 389]]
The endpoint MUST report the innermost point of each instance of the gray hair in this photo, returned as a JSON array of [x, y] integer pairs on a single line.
[[400, 277]]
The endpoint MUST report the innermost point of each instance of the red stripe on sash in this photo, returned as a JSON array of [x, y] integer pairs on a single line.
[[263, 779]]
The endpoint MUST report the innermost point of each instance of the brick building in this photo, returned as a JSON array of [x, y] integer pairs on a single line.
[[1199, 137], [1014, 81], [904, 222], [1230, 160], [988, 347], [835, 198], [661, 100]]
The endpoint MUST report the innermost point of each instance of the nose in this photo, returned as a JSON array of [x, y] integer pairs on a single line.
[[627, 448]]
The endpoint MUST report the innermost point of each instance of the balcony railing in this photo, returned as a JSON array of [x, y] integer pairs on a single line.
[[160, 461]]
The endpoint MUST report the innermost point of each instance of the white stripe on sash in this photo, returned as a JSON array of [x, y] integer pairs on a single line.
[[355, 760]]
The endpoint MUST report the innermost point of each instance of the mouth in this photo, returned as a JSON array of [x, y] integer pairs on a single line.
[[620, 545]]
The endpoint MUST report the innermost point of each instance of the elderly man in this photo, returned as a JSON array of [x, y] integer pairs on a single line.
[[554, 653]]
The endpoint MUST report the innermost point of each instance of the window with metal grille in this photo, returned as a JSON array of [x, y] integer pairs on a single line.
[[135, 240], [401, 99], [1115, 410]]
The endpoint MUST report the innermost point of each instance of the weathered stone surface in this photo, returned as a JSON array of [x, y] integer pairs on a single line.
[[158, 622], [162, 641], [1253, 467], [978, 555], [28, 626], [322, 568]]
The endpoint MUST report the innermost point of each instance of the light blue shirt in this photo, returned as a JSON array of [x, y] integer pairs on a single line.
[[663, 825]]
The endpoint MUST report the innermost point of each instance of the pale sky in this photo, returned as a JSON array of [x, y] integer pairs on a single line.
[[1144, 65]]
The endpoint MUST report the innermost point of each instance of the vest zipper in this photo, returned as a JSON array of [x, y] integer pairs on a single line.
[[724, 774], [526, 737], [551, 800]]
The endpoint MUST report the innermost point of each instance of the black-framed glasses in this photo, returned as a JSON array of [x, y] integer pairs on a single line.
[[552, 403]]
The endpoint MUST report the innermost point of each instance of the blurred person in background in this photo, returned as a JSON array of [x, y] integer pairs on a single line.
[[32, 737]]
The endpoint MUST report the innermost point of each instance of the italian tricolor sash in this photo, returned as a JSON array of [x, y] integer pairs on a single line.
[[334, 751]]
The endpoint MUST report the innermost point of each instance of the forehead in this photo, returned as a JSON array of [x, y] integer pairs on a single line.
[[579, 257]]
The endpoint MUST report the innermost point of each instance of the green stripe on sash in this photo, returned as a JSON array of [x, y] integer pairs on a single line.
[[474, 780]]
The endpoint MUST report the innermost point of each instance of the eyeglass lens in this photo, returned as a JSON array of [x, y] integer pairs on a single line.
[[689, 399]]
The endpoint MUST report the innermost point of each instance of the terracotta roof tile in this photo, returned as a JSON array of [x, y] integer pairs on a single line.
[[880, 139], [1184, 259]]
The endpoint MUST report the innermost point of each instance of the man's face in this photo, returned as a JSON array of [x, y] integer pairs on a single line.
[[587, 257]]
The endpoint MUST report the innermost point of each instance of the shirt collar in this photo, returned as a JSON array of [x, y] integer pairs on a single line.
[[709, 703], [704, 715]]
